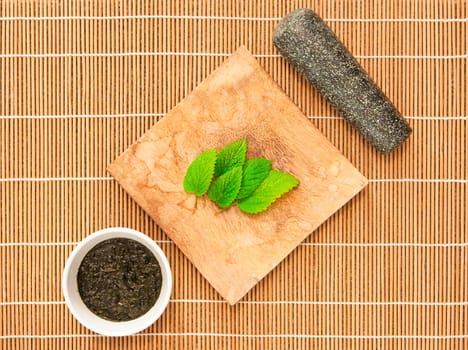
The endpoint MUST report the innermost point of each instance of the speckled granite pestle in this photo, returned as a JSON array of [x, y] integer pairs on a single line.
[[313, 48]]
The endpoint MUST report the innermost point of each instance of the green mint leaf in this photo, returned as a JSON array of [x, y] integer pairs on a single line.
[[273, 187], [200, 173], [231, 156], [225, 188], [255, 171]]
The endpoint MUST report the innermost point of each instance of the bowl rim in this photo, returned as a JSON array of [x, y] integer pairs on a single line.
[[85, 316]]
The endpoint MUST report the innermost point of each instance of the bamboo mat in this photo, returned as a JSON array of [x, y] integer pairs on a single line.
[[81, 81]]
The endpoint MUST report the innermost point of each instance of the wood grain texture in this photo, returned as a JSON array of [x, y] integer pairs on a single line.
[[234, 250], [389, 271]]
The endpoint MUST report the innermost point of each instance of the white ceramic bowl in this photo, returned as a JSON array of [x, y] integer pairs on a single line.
[[85, 316]]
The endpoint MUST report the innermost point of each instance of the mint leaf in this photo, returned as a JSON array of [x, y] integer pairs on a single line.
[[231, 156], [255, 171], [273, 187], [225, 188], [200, 172]]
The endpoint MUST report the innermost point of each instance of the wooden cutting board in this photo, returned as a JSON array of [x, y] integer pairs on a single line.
[[234, 250]]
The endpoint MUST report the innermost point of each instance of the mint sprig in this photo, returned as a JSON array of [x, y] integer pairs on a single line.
[[273, 187], [255, 171], [228, 176], [231, 156], [225, 188], [199, 174]]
